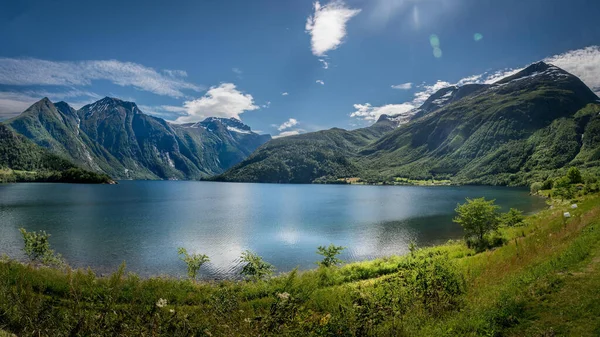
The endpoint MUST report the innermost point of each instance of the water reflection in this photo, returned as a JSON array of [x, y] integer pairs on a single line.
[[144, 222]]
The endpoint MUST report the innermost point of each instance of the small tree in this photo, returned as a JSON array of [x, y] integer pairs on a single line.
[[512, 218], [193, 261], [255, 268], [536, 187], [574, 175], [37, 248], [330, 255], [478, 217], [563, 188]]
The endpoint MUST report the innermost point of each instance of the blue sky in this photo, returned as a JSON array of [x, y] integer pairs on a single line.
[[283, 67]]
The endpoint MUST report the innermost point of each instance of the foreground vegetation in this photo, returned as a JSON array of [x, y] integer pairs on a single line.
[[544, 281]]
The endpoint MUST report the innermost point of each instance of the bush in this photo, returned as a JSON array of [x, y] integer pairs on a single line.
[[548, 184], [255, 268], [193, 261], [512, 218], [37, 248], [574, 176], [330, 255], [536, 187]]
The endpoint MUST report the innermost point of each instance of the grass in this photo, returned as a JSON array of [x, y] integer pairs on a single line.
[[544, 282]]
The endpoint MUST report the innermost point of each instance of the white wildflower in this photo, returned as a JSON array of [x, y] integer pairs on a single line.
[[161, 302], [283, 296]]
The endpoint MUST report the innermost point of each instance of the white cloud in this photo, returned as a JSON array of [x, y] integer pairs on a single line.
[[371, 113], [403, 86], [222, 101], [82, 73], [428, 90], [325, 63], [320, 82], [237, 71], [266, 105], [583, 63], [289, 133], [288, 124], [284, 94], [327, 26]]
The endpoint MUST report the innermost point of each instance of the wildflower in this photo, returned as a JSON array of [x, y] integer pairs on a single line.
[[247, 320], [172, 311], [283, 296], [161, 302], [325, 319]]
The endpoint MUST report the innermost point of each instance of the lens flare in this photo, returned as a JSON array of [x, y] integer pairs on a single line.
[[434, 40], [477, 37], [437, 52]]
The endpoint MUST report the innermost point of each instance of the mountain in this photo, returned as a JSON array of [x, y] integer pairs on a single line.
[[319, 156], [519, 128], [117, 138], [22, 160]]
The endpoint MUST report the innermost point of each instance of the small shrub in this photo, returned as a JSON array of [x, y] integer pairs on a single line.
[[536, 187], [513, 217], [255, 268], [548, 184], [193, 261], [574, 176], [37, 248], [330, 255]]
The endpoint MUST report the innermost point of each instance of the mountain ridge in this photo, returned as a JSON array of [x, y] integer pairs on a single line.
[[502, 133], [115, 137]]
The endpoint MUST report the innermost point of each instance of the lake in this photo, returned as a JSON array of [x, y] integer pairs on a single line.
[[143, 222]]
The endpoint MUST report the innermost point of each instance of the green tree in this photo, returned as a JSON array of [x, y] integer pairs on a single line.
[[37, 248], [478, 217], [255, 268], [574, 175], [330, 255], [512, 218], [536, 187], [193, 261], [563, 188]]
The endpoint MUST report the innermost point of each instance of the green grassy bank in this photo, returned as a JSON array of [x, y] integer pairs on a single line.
[[545, 281]]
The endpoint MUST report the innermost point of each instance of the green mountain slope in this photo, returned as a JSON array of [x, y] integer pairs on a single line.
[[22, 160], [313, 157], [115, 137], [527, 125]]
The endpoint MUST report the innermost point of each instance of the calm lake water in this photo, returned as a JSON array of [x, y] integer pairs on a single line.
[[143, 222]]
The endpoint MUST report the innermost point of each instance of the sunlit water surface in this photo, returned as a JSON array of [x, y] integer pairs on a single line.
[[143, 222]]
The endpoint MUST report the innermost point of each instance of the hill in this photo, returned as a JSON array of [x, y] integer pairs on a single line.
[[522, 128], [23, 161], [321, 156], [117, 138]]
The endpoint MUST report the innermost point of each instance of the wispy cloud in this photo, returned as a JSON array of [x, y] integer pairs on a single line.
[[287, 124], [372, 113], [583, 63], [28, 72], [220, 101], [289, 133], [324, 63], [327, 26], [284, 93], [403, 86], [266, 105], [320, 82]]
